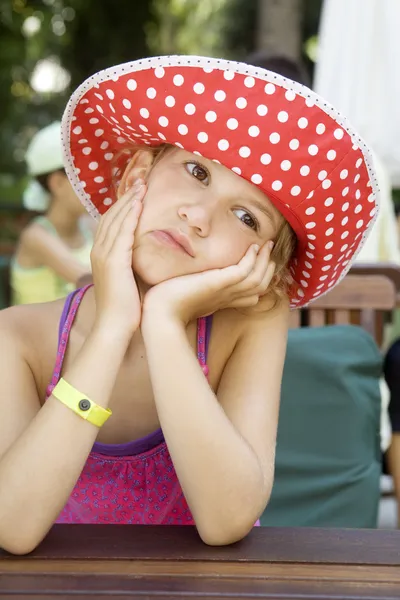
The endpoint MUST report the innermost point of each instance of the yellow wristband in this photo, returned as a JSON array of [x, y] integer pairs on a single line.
[[82, 406]]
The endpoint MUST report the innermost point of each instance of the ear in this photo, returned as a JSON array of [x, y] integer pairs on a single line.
[[138, 168]]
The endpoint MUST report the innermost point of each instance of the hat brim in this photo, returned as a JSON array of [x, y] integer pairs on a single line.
[[273, 132]]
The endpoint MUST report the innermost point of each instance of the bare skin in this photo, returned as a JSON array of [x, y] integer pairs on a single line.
[[125, 353]]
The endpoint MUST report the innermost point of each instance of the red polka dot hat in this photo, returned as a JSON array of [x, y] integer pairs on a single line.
[[271, 131]]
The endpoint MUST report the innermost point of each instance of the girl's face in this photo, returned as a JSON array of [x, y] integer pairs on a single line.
[[198, 215]]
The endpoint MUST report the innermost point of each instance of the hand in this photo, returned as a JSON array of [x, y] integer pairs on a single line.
[[117, 297], [191, 296]]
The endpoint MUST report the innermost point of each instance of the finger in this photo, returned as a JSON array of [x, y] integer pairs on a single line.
[[136, 191], [125, 238], [266, 281], [245, 302], [235, 274], [254, 280]]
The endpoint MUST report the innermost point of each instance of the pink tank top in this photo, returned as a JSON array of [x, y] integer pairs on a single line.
[[126, 483]]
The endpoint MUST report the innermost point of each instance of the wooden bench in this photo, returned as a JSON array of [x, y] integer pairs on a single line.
[[358, 300]]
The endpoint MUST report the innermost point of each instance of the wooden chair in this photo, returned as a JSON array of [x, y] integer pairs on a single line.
[[389, 270], [358, 300]]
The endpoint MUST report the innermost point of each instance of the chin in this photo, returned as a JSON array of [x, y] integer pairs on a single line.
[[154, 270]]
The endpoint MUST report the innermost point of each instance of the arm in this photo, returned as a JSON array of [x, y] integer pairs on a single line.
[[222, 447], [42, 446], [52, 252]]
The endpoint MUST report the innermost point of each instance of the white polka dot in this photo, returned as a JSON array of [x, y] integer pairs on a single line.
[[283, 116], [83, 141], [269, 89], [329, 231], [241, 102], [306, 274], [359, 163], [144, 113], [202, 137], [295, 191], [190, 109], [99, 109], [77, 130], [359, 224], [274, 138], [343, 248], [244, 152], [300, 293], [345, 221], [131, 85], [89, 111], [326, 268], [371, 198], [358, 208], [313, 150], [93, 166], [256, 178], [322, 175], [373, 211], [310, 102], [302, 123], [326, 184], [151, 93], [265, 159], [345, 206], [358, 194], [304, 170], [344, 173], [345, 191], [290, 95], [99, 96], [310, 225], [262, 110], [170, 101], [93, 121], [294, 144], [223, 144], [311, 236], [208, 69], [144, 128], [254, 131], [338, 133], [99, 132], [329, 217], [87, 150], [159, 72], [103, 191], [104, 145], [285, 165], [328, 201], [232, 124], [178, 144], [323, 278], [161, 136], [163, 121], [126, 118], [110, 94], [109, 156], [357, 178], [276, 185], [211, 116], [304, 283], [310, 210], [329, 245], [99, 179], [307, 264], [107, 201], [249, 82], [331, 155], [328, 257], [198, 88], [183, 129], [320, 129], [178, 80], [237, 170], [229, 75]]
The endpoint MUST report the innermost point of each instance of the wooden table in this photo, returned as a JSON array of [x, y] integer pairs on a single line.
[[81, 561]]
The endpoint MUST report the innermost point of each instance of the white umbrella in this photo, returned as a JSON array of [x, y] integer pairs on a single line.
[[358, 71]]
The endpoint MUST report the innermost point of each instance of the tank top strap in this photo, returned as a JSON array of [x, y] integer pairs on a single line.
[[203, 338], [68, 315]]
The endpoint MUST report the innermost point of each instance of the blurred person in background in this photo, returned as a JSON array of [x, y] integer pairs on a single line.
[[53, 254]]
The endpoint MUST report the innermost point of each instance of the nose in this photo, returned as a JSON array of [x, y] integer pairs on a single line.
[[197, 216]]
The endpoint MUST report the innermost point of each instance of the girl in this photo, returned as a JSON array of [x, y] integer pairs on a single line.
[[54, 249], [213, 180]]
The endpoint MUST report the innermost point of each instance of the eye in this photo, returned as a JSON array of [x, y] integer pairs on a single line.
[[246, 218], [198, 171]]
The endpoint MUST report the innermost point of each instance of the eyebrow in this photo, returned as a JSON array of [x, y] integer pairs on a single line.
[[264, 209]]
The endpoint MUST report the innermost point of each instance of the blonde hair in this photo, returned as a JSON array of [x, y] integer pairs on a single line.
[[284, 242]]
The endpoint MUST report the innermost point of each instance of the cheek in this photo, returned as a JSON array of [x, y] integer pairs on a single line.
[[228, 251]]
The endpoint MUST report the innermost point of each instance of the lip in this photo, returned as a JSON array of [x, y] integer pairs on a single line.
[[175, 239]]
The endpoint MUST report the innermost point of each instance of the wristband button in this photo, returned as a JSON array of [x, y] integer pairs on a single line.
[[84, 404]]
